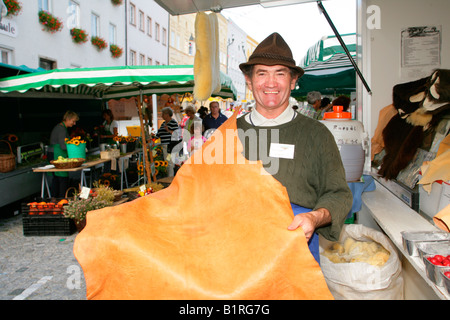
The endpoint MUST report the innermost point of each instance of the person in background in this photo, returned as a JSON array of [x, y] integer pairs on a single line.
[[192, 117], [165, 131], [314, 99], [197, 139], [203, 112], [58, 148], [111, 127], [343, 101], [325, 106], [215, 118]]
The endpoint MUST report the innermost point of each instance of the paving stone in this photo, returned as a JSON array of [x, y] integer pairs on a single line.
[[38, 268]]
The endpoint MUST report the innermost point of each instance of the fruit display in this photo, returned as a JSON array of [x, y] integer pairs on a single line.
[[44, 207], [61, 159], [357, 251], [147, 191], [440, 260], [67, 163]]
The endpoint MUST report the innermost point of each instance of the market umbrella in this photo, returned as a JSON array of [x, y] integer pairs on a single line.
[[111, 82]]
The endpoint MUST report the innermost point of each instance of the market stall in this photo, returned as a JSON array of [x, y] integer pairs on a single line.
[[327, 68], [111, 83]]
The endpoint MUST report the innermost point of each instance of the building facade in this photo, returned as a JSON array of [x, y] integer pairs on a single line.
[[250, 47], [139, 28], [236, 54], [147, 33], [26, 41], [182, 39], [143, 31]]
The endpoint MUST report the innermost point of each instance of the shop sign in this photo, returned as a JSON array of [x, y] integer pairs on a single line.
[[9, 28]]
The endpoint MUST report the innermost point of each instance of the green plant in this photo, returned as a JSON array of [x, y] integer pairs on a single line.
[[13, 6], [116, 51], [78, 35], [77, 208], [117, 2], [50, 23], [103, 192], [99, 43]]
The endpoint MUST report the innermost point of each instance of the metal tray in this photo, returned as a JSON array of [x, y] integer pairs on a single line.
[[433, 248], [446, 279], [434, 272], [410, 239]]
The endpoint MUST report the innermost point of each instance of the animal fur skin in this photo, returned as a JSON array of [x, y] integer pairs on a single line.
[[206, 62], [421, 104]]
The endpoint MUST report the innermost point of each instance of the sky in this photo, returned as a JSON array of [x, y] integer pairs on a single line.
[[301, 25]]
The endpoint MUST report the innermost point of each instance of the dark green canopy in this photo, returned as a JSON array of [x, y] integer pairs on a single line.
[[327, 68]]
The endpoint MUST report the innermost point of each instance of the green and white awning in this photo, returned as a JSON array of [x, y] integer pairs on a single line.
[[111, 82]]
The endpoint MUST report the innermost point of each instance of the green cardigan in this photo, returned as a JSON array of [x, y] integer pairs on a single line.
[[315, 177]]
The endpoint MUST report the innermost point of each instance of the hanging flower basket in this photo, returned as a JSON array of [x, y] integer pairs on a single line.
[[99, 43], [50, 23], [117, 2], [116, 51], [78, 35], [14, 7]]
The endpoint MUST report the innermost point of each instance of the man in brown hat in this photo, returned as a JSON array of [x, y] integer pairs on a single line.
[[309, 163]]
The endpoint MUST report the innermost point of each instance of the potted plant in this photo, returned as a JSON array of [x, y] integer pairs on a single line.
[[117, 2], [116, 51], [78, 35], [50, 23], [99, 43], [77, 208], [14, 7]]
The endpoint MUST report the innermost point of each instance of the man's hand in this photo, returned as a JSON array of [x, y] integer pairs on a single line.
[[310, 221]]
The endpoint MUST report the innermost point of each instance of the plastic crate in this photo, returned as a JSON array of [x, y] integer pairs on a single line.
[[46, 223]]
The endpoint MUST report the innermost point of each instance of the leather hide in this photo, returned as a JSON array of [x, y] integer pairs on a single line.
[[219, 231]]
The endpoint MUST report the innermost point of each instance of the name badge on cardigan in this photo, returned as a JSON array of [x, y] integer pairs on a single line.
[[280, 150]]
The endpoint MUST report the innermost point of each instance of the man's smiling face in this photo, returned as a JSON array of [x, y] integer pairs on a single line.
[[271, 87]]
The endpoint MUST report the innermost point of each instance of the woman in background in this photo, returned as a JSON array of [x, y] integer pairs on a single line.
[[58, 146], [111, 127]]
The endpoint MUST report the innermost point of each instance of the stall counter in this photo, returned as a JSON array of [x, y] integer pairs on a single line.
[[382, 210]]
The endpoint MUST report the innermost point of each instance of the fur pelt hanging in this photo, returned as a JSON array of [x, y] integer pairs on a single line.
[[206, 62], [420, 105]]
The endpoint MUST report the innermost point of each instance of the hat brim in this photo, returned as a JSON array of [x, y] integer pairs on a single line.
[[268, 62]]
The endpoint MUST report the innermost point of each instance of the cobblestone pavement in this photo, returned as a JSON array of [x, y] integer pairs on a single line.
[[37, 267]]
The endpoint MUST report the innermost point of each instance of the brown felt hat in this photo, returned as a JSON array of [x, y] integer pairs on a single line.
[[273, 51]]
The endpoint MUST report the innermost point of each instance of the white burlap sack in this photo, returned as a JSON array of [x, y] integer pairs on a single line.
[[362, 281]]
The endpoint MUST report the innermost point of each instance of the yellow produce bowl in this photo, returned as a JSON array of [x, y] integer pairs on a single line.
[[68, 165]]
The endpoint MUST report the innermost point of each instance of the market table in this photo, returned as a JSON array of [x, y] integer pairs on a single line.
[[84, 167]]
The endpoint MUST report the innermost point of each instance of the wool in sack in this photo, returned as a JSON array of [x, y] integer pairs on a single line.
[[373, 276]]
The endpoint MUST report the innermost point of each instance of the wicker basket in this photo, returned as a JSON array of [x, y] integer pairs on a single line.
[[68, 165], [7, 161]]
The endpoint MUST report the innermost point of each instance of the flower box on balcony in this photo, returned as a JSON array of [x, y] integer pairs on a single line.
[[51, 24], [14, 7], [99, 43], [78, 35], [116, 51]]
